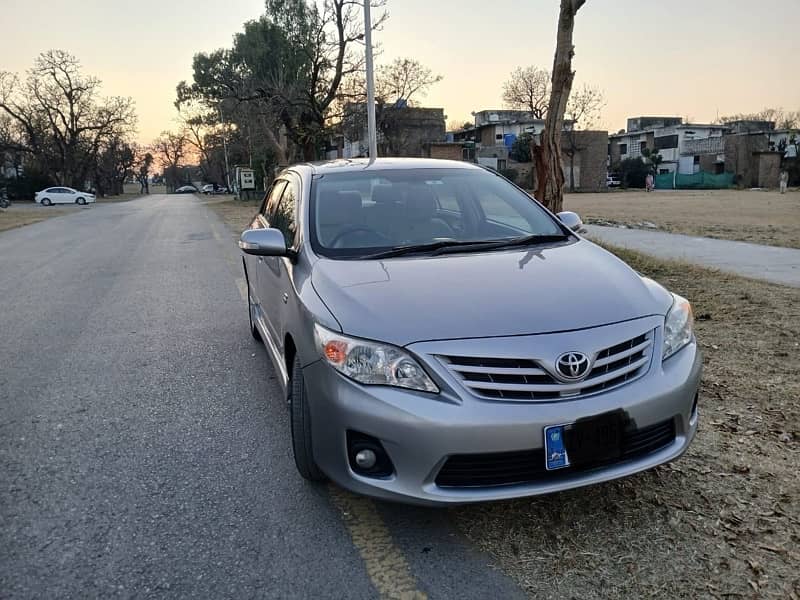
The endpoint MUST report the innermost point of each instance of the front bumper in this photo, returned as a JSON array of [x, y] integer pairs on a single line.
[[420, 431]]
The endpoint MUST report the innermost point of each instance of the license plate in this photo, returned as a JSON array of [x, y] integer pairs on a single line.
[[554, 448], [590, 440]]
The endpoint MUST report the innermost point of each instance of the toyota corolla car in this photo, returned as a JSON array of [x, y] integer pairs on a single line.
[[442, 338]]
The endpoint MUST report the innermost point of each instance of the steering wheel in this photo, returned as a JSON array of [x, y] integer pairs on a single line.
[[351, 230]]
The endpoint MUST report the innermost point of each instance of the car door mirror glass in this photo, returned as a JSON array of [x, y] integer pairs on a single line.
[[263, 242]]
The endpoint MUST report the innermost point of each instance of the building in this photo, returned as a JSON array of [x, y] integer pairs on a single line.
[[402, 131], [680, 144]]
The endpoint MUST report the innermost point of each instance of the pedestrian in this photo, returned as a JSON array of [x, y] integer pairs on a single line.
[[784, 180], [648, 182]]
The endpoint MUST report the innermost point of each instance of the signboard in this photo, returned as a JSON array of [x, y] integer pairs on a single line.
[[247, 180]]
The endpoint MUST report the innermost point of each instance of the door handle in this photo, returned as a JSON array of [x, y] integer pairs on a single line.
[[285, 298]]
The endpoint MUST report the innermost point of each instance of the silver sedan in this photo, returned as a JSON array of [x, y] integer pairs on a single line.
[[442, 338]]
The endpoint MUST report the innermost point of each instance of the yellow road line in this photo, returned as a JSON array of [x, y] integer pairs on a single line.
[[386, 566]]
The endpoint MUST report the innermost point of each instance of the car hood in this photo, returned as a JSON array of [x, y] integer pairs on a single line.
[[500, 293]]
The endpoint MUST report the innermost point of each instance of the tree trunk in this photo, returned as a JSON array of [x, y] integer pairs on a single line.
[[550, 190], [572, 170]]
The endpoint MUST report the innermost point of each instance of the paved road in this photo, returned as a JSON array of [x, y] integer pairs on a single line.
[[778, 265], [144, 446]]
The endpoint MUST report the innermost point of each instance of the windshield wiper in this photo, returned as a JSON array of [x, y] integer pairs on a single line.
[[527, 240], [414, 248], [453, 246]]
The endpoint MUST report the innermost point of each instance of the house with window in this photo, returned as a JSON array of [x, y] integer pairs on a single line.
[[681, 145]]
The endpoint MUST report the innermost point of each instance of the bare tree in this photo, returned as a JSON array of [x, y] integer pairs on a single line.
[[114, 166], [583, 111], [550, 174], [170, 148], [528, 88], [144, 162], [782, 119], [60, 117], [404, 79]]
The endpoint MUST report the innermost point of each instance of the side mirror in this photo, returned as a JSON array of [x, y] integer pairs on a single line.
[[571, 220], [263, 242]]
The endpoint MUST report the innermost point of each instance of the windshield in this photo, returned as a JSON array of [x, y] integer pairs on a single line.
[[357, 214]]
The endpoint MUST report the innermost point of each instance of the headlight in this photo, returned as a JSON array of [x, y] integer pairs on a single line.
[[678, 326], [371, 363]]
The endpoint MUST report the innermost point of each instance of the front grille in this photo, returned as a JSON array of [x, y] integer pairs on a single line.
[[526, 379], [528, 466]]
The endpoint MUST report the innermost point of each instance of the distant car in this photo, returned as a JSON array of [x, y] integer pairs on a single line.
[[213, 188], [186, 189], [63, 195], [612, 181]]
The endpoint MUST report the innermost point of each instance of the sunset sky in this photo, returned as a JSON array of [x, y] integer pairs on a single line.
[[691, 58]]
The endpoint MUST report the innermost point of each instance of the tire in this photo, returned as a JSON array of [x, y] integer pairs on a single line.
[[46, 202], [81, 201], [301, 426], [253, 329]]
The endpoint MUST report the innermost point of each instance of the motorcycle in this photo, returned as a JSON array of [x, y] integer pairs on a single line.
[[4, 201]]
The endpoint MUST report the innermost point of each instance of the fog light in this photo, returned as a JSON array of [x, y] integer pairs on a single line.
[[367, 456], [366, 459]]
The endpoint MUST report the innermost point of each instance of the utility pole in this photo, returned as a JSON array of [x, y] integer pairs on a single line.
[[371, 127]]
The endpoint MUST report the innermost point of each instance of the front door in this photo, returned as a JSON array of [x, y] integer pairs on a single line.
[[255, 264], [62, 196], [274, 274]]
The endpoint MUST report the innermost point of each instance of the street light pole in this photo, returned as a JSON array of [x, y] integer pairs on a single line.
[[371, 127], [225, 149]]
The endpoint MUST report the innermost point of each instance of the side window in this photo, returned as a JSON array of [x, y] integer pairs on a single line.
[[283, 214], [272, 197], [498, 210]]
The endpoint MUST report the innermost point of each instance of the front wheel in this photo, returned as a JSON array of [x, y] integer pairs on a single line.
[[301, 426], [81, 201]]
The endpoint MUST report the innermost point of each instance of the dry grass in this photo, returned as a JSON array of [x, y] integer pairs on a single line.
[[13, 217], [236, 214], [124, 197], [751, 216], [724, 521]]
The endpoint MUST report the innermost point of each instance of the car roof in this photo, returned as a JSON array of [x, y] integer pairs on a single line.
[[382, 164]]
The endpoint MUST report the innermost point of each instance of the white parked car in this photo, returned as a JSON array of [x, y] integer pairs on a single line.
[[62, 195]]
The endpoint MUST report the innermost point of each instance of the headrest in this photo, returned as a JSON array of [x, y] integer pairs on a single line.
[[420, 204], [338, 208], [386, 194]]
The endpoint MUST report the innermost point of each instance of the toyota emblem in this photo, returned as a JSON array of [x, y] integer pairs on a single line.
[[572, 365]]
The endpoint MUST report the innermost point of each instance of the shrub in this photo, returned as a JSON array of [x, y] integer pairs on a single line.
[[521, 149], [510, 174], [632, 172]]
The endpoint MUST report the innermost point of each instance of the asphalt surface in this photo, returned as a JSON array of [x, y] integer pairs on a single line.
[[769, 263], [144, 443]]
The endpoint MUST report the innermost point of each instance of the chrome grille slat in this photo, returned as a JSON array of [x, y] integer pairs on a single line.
[[525, 379], [557, 387], [614, 357], [496, 370]]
